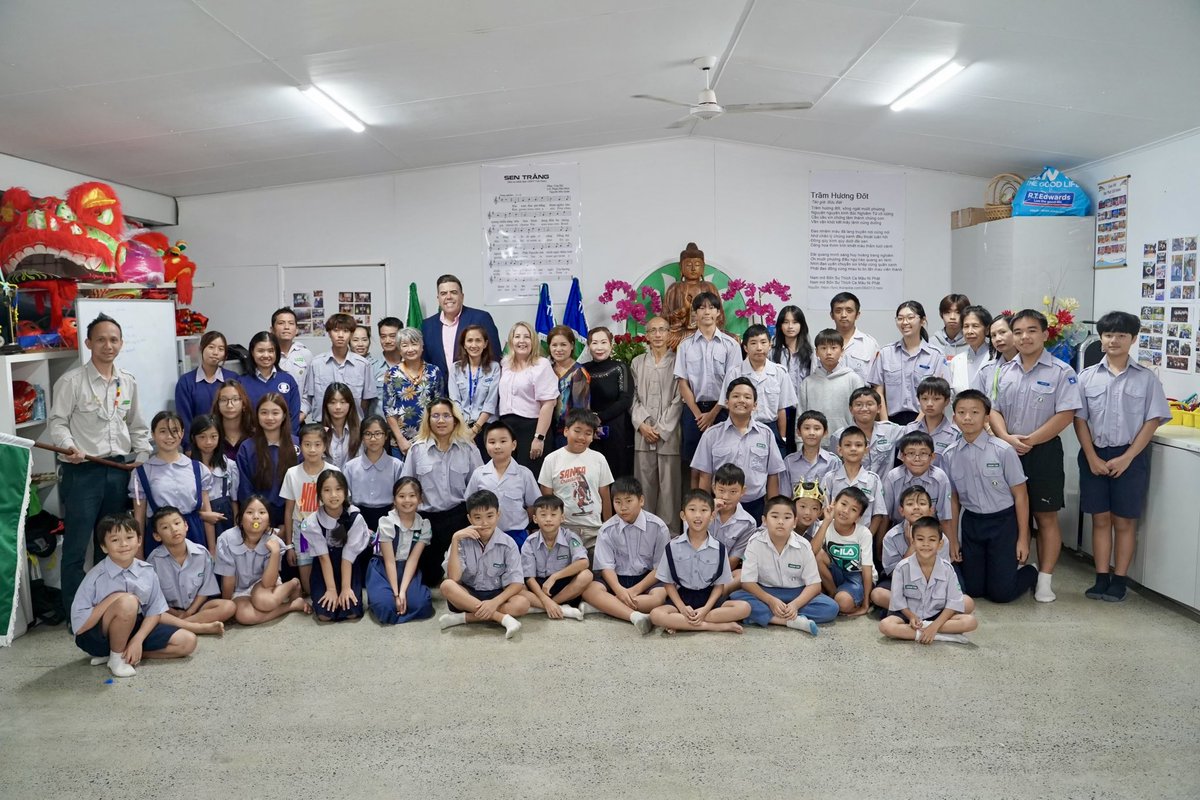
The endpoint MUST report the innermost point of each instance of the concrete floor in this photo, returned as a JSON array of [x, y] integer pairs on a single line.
[[1078, 699]]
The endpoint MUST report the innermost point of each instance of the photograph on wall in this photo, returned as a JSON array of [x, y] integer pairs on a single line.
[[345, 297], [300, 300], [1150, 339], [346, 308], [1180, 342], [1112, 214], [318, 298]]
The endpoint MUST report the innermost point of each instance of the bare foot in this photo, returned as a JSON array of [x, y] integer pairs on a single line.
[[300, 604], [212, 628], [731, 627]]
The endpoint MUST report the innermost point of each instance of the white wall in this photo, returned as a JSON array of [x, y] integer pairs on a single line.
[[1164, 201], [746, 207]]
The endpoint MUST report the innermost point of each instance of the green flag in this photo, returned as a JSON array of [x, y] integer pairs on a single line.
[[415, 317], [15, 466]]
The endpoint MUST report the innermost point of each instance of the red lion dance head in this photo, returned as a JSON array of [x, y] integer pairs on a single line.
[[48, 237]]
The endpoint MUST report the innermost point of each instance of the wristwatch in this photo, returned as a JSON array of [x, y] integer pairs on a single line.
[[541, 437]]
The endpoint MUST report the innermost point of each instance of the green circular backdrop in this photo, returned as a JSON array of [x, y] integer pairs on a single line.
[[664, 276]]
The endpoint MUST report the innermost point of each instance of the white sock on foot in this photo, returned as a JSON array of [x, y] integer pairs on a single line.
[[98, 660], [536, 609], [641, 621], [511, 625], [118, 667], [951, 637], [570, 612], [803, 623], [452, 619], [587, 608], [1043, 593]]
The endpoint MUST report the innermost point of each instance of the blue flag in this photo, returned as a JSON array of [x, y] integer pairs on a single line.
[[545, 319], [573, 316]]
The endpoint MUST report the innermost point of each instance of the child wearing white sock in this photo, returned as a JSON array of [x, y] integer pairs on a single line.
[[483, 571]]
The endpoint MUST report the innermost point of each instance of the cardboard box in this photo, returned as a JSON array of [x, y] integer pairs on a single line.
[[966, 217]]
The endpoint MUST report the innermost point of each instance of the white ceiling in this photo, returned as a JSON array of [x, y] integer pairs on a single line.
[[197, 97]]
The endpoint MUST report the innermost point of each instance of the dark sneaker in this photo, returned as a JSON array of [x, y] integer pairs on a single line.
[[1115, 593]]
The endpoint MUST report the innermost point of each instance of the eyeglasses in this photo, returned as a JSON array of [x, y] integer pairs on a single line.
[[441, 417], [908, 318], [922, 456], [230, 401], [373, 435]]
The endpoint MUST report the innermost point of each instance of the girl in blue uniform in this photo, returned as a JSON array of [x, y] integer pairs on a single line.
[[169, 478], [205, 439]]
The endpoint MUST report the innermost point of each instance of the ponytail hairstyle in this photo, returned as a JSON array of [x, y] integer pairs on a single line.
[[919, 310]]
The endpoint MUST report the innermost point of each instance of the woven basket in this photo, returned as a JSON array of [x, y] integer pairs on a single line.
[[1000, 193]]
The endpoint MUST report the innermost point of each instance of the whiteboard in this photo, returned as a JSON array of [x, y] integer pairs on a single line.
[[148, 331], [317, 292]]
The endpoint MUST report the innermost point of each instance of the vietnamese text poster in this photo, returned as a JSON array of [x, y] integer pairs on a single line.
[[531, 230], [1112, 218], [856, 236]]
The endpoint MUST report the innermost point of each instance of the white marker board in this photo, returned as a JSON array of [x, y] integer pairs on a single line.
[[148, 351]]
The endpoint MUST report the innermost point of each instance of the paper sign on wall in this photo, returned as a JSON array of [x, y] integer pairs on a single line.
[[530, 218], [856, 236]]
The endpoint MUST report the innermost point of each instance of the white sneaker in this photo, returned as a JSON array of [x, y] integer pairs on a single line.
[[118, 667]]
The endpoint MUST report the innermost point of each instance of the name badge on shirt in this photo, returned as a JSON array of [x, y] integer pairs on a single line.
[[563, 557], [1043, 383], [795, 566], [993, 464], [501, 564]]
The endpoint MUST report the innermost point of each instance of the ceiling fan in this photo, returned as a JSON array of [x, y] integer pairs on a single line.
[[707, 107]]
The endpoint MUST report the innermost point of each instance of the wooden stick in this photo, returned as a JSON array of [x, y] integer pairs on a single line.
[[95, 459]]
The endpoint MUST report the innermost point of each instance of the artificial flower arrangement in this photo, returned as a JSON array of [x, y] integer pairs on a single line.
[[634, 314], [757, 308], [1063, 332]]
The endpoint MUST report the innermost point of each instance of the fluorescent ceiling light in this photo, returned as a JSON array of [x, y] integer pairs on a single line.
[[928, 84], [333, 109]]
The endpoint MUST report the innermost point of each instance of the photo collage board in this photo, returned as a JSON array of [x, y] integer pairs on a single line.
[[1169, 292]]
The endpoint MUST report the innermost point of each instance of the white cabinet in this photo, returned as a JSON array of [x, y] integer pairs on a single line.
[[1169, 535], [40, 369]]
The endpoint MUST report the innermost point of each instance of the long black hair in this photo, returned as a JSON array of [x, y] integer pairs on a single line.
[[919, 310], [804, 350]]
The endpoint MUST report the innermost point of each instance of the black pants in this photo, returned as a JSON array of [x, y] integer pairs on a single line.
[[989, 557], [524, 429], [442, 525]]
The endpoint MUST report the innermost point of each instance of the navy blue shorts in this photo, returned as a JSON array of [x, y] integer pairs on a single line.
[[696, 598], [94, 642], [627, 581], [1124, 496], [900, 614], [558, 586], [482, 595]]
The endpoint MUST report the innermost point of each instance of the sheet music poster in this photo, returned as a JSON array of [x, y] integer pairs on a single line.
[[531, 216]]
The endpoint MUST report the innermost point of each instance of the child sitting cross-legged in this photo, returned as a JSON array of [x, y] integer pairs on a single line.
[[780, 580], [483, 571], [554, 562], [117, 608], [695, 569], [927, 604], [185, 573]]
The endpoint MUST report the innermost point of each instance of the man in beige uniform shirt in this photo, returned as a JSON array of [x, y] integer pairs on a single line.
[[94, 412], [655, 413]]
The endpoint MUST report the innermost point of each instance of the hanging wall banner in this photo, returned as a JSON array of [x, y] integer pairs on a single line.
[[856, 236], [531, 216], [1112, 222]]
